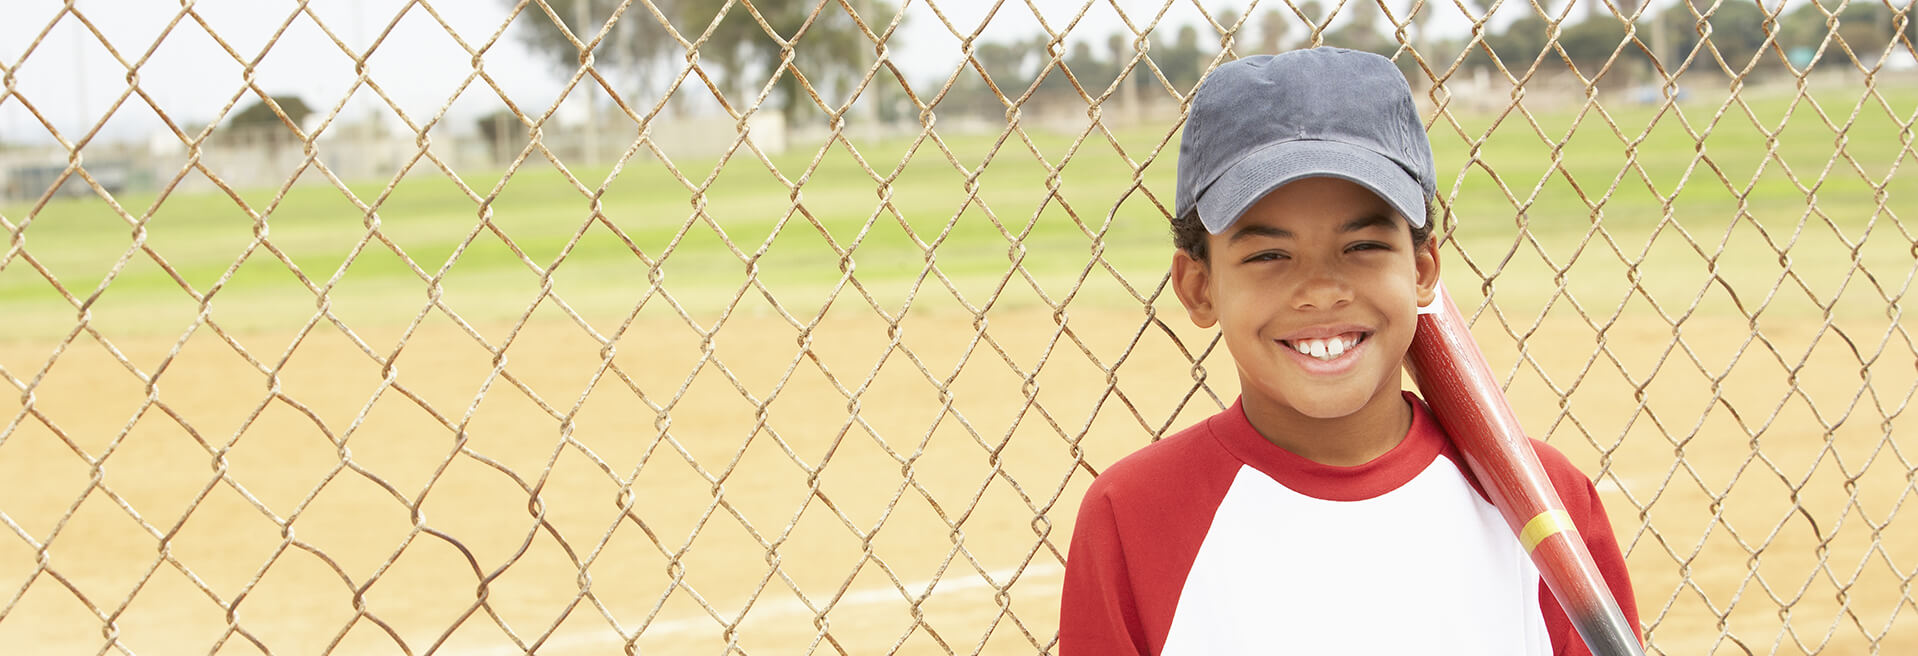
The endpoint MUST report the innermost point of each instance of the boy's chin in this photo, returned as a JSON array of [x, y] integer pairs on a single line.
[[1329, 406], [1330, 402]]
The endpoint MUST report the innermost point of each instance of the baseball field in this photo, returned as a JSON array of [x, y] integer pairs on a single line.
[[845, 399]]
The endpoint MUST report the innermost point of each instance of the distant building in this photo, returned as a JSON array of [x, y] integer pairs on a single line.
[[33, 180]]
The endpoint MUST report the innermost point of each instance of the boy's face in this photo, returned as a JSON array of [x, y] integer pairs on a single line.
[[1321, 264]]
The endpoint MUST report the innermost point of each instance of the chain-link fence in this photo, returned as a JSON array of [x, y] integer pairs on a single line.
[[795, 326]]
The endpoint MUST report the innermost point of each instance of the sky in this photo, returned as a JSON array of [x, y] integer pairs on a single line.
[[66, 74]]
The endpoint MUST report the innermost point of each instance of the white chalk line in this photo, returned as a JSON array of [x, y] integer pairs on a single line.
[[791, 607], [787, 607]]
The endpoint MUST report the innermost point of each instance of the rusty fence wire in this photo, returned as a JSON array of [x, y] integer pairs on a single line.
[[800, 326]]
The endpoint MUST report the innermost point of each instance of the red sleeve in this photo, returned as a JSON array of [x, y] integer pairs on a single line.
[[1134, 541], [1588, 513], [1097, 609]]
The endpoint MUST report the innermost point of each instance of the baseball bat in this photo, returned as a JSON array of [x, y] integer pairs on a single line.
[[1452, 375]]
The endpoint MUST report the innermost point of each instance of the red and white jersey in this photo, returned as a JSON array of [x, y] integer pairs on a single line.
[[1215, 541]]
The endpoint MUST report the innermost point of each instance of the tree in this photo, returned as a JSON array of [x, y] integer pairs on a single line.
[[1865, 28], [1802, 28], [1482, 10], [827, 43], [1227, 19], [1315, 21], [257, 123], [1053, 85], [1184, 61], [1272, 27], [1093, 74], [1421, 18], [1737, 27], [636, 49], [827, 49], [1520, 43], [1004, 62], [1011, 67], [1588, 43], [496, 128], [1360, 30], [259, 115]]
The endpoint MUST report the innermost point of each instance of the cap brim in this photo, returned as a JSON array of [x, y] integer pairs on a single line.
[[1264, 170]]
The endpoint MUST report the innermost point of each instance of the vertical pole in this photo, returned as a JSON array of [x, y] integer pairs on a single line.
[[79, 74], [589, 150]]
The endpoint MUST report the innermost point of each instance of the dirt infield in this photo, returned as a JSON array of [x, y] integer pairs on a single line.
[[762, 509]]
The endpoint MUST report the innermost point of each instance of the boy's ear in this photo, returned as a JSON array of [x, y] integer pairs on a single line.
[[1192, 281], [1425, 258]]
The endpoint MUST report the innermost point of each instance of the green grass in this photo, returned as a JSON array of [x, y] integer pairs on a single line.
[[1703, 195], [1609, 239]]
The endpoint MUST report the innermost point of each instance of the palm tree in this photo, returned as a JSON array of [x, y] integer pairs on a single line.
[[1272, 28], [1315, 21], [1122, 53]]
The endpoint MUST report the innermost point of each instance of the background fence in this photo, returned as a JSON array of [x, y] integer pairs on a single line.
[[800, 327]]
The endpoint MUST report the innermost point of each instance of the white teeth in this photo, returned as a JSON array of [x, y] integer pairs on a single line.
[[1326, 349]]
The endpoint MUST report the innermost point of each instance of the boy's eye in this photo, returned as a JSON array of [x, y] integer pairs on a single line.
[[1265, 256], [1368, 246]]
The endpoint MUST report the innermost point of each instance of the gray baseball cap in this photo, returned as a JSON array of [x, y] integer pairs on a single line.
[[1261, 122]]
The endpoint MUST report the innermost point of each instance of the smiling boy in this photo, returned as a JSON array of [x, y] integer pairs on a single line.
[[1325, 512]]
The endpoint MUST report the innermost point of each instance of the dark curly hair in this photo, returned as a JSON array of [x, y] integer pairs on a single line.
[[1189, 234]]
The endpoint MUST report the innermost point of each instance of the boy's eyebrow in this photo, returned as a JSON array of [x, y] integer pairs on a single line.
[[1369, 221], [1365, 222], [1258, 230]]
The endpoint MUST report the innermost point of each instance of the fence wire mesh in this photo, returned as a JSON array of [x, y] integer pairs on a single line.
[[783, 326]]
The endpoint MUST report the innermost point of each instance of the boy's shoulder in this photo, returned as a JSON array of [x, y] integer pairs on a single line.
[[1177, 461], [1574, 487]]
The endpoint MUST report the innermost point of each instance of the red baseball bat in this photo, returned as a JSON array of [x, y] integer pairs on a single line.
[[1452, 375]]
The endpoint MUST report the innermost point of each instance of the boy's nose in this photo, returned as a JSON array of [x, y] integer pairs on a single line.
[[1322, 288]]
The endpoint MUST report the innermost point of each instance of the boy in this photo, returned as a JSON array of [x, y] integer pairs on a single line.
[[1325, 512]]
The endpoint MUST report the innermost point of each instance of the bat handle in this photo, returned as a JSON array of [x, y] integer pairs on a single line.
[[1587, 601], [1605, 632]]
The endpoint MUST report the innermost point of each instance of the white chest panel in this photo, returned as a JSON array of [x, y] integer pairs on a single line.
[[1429, 568]]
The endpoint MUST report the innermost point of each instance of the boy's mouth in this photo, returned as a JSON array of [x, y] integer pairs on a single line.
[[1326, 348]]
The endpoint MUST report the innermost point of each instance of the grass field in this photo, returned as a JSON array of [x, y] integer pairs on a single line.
[[766, 451], [1739, 197]]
